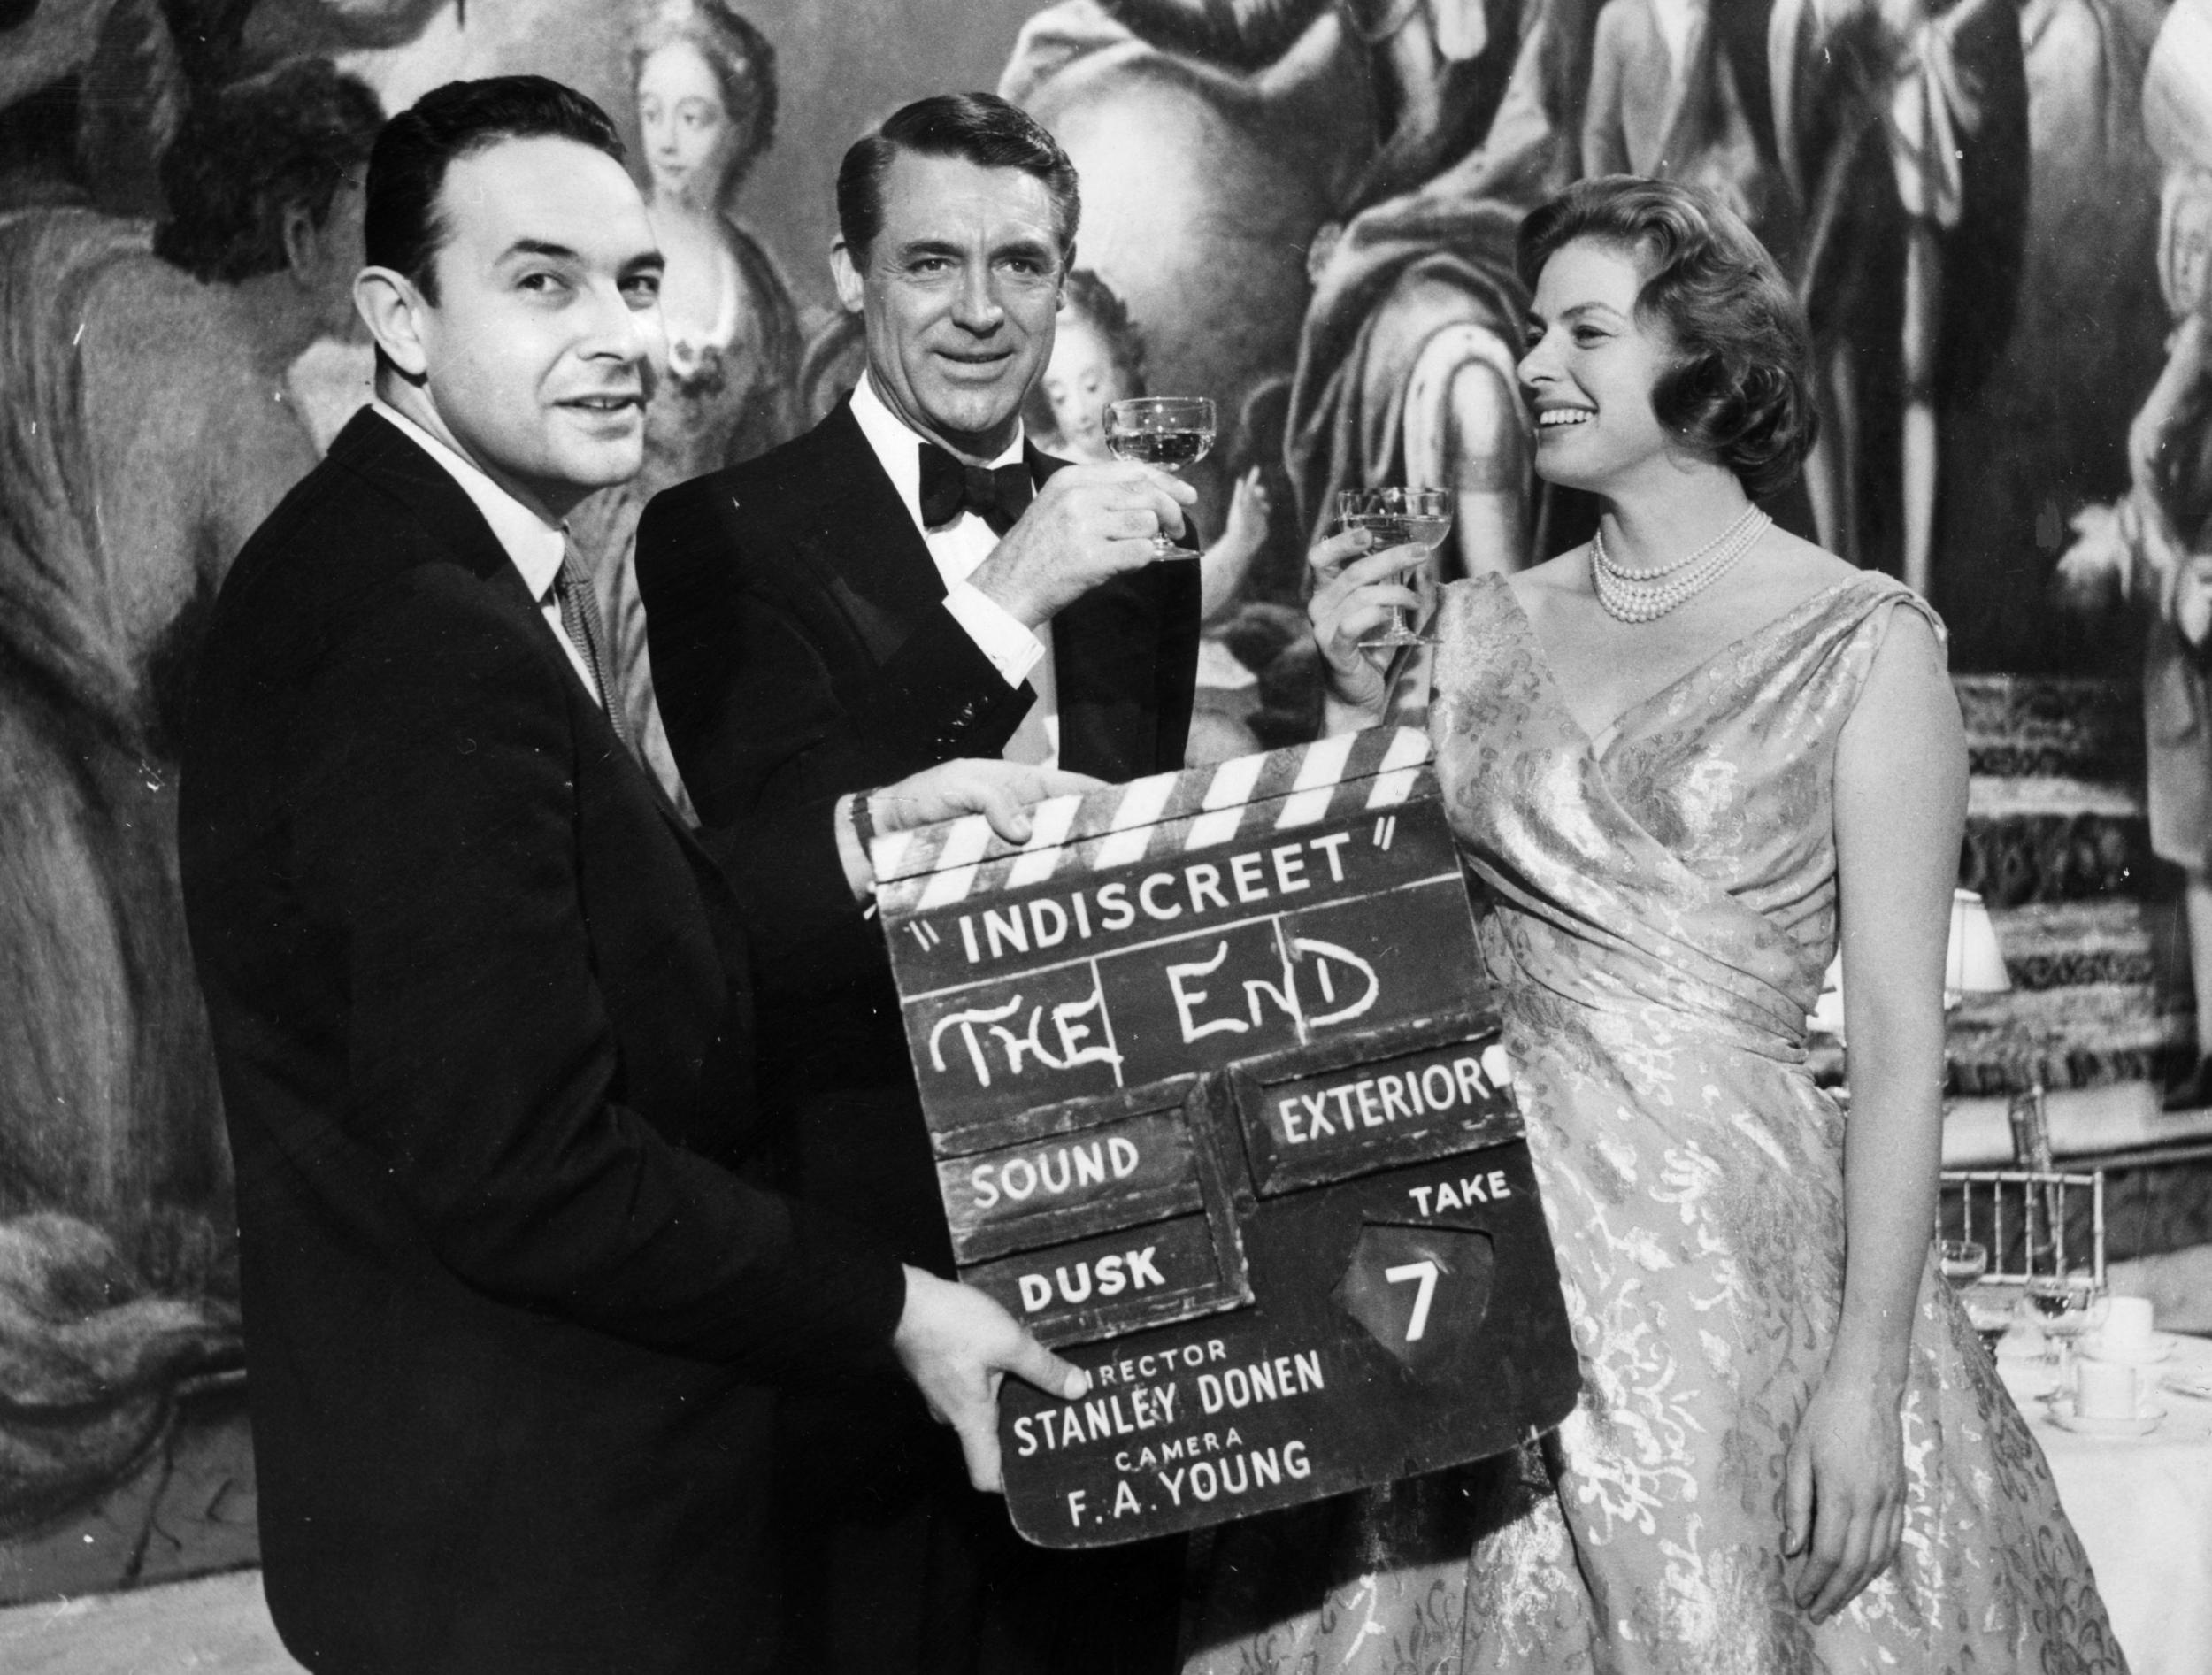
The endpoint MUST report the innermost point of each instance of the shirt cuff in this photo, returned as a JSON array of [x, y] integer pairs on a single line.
[[998, 634]]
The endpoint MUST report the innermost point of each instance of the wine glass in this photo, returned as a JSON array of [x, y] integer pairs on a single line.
[[2065, 1305], [1990, 1317], [1400, 518], [1169, 432], [1963, 1262]]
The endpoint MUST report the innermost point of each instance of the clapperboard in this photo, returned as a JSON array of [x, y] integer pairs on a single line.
[[1219, 1112]]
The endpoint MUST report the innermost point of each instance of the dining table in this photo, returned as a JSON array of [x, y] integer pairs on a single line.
[[2141, 1502]]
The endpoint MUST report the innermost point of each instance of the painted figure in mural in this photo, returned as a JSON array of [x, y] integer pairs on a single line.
[[1679, 758], [1212, 141], [2153, 549], [1664, 102], [1400, 329], [706, 105], [907, 581], [143, 433], [1098, 358], [1405, 361], [1902, 132], [705, 81], [515, 1303]]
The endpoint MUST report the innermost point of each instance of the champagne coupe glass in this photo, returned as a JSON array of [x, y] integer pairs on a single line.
[[1401, 517], [1963, 1262], [2065, 1305], [1169, 432]]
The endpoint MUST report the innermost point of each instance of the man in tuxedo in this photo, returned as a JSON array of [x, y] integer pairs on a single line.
[[516, 1302], [908, 582]]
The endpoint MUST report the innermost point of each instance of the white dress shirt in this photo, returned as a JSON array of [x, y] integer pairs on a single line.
[[956, 548], [534, 547]]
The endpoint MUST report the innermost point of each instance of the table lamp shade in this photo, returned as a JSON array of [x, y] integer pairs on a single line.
[[1972, 965]]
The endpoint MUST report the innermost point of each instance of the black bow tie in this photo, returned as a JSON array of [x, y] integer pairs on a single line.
[[949, 487]]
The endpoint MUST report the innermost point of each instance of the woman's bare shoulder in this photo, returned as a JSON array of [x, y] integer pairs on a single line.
[[1566, 572], [1812, 567]]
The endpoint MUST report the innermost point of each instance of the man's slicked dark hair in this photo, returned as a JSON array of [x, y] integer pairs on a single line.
[[402, 227], [1740, 388], [981, 128], [247, 153]]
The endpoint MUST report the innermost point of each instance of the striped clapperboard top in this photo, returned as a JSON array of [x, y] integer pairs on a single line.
[[936, 867]]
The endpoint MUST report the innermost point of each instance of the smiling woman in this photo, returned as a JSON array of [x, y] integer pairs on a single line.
[[1685, 759]]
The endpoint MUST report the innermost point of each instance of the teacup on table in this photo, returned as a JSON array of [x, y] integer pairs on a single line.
[[2105, 1390], [2106, 1399], [2125, 1333]]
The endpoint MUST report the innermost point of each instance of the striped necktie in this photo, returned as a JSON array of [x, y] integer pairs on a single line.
[[579, 617]]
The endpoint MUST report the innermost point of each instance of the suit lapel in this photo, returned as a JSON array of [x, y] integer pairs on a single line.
[[385, 457], [854, 534]]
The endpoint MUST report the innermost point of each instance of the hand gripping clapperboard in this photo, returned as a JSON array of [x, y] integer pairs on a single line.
[[1219, 1112]]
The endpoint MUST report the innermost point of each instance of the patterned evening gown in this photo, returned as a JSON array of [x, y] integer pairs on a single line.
[[1660, 906]]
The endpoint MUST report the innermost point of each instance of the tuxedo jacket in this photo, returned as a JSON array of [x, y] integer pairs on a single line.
[[801, 644], [800, 649], [515, 1303]]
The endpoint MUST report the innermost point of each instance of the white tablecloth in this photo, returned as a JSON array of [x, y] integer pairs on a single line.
[[2143, 1508]]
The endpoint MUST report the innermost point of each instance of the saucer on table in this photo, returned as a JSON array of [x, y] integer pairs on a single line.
[[2059, 1405], [2195, 1381], [2161, 1346]]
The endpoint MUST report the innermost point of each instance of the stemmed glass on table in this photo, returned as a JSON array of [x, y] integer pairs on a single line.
[[1401, 517], [1167, 432], [1963, 1263], [2065, 1305]]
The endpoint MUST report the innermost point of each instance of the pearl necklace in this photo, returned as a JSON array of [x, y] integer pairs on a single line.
[[1645, 596]]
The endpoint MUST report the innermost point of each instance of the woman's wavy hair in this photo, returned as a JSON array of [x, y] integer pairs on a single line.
[[1742, 388], [743, 65], [1086, 297]]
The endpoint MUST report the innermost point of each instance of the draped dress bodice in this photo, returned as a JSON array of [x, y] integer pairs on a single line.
[[1658, 905]]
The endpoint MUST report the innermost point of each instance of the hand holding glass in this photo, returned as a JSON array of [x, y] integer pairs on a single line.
[[1416, 517], [1167, 433]]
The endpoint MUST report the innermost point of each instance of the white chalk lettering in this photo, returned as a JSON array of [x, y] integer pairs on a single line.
[[1203, 881], [1189, 998], [1229, 885], [1325, 953], [1471, 1190], [1260, 1382], [1006, 925], [1380, 1100], [1235, 1470], [1114, 911], [1052, 935], [1058, 1171], [1154, 881], [1132, 1270], [1074, 1043]]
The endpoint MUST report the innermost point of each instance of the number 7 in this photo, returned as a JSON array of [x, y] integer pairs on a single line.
[[1424, 1271]]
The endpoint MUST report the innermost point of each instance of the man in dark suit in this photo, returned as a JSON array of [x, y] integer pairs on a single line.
[[515, 1303], [906, 583]]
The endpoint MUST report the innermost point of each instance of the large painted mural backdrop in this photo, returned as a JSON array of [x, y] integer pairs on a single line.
[[1304, 210]]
